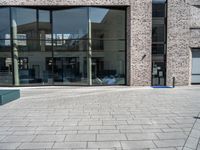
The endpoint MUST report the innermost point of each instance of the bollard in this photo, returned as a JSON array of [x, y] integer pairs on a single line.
[[173, 80]]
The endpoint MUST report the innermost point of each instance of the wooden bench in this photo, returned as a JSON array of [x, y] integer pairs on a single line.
[[8, 96]]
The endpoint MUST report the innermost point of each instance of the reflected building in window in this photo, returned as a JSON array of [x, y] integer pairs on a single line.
[[63, 46]]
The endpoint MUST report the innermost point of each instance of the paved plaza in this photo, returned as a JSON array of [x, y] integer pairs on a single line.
[[109, 118]]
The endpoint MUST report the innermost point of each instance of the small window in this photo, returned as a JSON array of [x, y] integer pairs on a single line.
[[158, 33], [158, 10], [158, 49]]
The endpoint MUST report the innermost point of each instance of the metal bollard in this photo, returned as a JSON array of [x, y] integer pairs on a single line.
[[174, 81]]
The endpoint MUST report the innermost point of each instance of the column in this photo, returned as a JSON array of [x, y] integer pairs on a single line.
[[89, 55], [15, 52]]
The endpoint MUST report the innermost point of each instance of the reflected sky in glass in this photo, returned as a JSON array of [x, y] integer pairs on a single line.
[[98, 14]]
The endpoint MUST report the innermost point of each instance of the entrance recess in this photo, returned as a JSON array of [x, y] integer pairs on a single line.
[[196, 66]]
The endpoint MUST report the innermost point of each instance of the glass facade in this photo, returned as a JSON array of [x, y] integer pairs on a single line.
[[159, 42], [62, 46], [108, 42], [6, 72]]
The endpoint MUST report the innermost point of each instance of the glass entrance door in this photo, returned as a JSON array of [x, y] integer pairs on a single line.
[[67, 71], [158, 74]]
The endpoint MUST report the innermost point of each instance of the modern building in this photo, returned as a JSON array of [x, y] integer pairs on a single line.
[[99, 42]]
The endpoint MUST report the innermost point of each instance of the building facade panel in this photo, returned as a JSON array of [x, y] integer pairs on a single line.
[[141, 24], [193, 2], [64, 2], [178, 50]]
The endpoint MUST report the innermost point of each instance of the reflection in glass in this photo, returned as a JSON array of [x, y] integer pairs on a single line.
[[70, 70], [108, 46], [71, 46], [158, 33], [33, 69], [158, 49], [24, 20], [44, 29], [5, 45], [158, 74], [70, 24], [107, 23], [5, 68], [5, 23], [108, 65], [5, 49], [158, 10]]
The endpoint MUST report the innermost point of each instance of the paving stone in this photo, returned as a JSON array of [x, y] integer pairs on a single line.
[[192, 143], [169, 143], [4, 146], [106, 145], [46, 132], [109, 131], [111, 137], [171, 135], [2, 136], [27, 146], [186, 148], [137, 144], [80, 137], [23, 133], [16, 139], [142, 136], [103, 127], [87, 131], [49, 138], [70, 145], [195, 133]]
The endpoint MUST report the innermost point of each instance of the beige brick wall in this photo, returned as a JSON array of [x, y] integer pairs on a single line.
[[178, 51]]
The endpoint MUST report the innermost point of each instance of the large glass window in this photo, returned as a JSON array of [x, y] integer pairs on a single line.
[[108, 46], [30, 48], [62, 46], [70, 38]]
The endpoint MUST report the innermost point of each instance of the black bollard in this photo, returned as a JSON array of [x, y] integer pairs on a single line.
[[173, 80]]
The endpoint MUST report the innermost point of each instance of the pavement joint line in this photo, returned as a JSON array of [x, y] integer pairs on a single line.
[[185, 146], [198, 145]]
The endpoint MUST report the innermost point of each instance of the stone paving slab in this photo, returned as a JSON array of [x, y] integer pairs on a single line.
[[101, 118], [193, 139]]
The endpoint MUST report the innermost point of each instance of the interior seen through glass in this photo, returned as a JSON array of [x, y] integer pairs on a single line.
[[71, 46]]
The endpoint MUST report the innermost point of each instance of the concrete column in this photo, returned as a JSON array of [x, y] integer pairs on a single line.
[[15, 53], [89, 55]]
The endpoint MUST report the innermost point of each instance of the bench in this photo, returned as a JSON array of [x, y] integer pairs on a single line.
[[7, 96]]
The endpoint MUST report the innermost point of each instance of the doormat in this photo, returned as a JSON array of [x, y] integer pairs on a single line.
[[162, 87]]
